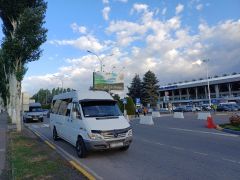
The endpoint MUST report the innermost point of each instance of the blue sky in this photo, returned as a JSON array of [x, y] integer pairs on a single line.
[[166, 37]]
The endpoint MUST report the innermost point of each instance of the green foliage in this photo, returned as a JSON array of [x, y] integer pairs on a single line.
[[135, 90], [130, 107], [150, 89], [44, 96], [22, 24]]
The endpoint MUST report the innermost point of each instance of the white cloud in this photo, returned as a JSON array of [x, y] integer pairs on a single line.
[[199, 7], [76, 28], [179, 8], [105, 12], [84, 43], [166, 47], [139, 7], [164, 11], [105, 1]]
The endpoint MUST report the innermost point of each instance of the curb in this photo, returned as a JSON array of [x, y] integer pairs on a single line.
[[89, 174], [231, 131]]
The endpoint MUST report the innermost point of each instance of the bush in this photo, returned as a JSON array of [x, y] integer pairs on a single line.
[[130, 107], [235, 120]]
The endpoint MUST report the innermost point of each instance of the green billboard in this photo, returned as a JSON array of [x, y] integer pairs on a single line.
[[108, 81]]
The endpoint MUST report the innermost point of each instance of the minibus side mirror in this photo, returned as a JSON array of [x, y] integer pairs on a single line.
[[74, 115]]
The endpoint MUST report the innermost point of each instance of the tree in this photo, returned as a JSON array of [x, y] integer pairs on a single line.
[[130, 107], [135, 90], [150, 89], [24, 33]]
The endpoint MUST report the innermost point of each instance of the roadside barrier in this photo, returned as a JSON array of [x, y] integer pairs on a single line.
[[203, 115], [148, 120], [178, 115], [156, 114]]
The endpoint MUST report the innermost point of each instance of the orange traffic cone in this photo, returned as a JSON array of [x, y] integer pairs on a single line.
[[210, 124]]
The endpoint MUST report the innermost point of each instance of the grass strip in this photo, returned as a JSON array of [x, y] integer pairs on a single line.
[[231, 127], [31, 159]]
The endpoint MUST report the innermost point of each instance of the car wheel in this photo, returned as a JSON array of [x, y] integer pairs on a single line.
[[55, 135], [80, 148], [41, 119], [124, 148]]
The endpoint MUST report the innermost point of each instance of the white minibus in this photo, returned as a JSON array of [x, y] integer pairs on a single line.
[[89, 120]]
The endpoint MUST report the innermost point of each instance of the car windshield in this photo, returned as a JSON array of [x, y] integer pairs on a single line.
[[100, 108], [35, 109]]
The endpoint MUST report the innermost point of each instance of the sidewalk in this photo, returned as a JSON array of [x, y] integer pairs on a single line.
[[3, 138]]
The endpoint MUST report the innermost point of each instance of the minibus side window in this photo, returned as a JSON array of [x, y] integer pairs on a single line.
[[56, 106], [76, 109], [64, 106]]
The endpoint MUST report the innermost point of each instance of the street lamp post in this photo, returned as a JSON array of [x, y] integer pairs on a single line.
[[100, 59], [209, 93], [101, 63]]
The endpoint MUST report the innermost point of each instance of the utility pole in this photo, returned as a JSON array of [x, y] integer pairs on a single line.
[[208, 85]]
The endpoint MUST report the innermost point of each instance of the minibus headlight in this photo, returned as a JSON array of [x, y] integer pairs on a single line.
[[95, 136], [130, 133]]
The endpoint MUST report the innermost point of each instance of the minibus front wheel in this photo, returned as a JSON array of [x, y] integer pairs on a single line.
[[80, 148]]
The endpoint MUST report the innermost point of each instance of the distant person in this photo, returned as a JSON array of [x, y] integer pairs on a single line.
[[145, 111], [136, 112]]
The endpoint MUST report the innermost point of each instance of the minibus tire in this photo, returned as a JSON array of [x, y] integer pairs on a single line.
[[80, 148], [55, 136]]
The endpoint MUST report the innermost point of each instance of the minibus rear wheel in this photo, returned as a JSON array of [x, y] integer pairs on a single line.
[[80, 148], [55, 135]]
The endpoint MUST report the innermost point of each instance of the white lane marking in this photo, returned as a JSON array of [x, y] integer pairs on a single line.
[[161, 144], [2, 150], [45, 125], [229, 160], [178, 148], [205, 132], [204, 154]]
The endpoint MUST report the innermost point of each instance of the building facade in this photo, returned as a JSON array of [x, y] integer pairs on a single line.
[[222, 89]]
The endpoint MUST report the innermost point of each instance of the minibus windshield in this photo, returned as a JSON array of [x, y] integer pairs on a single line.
[[100, 108]]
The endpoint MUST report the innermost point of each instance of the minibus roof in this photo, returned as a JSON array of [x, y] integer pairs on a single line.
[[101, 95], [83, 95]]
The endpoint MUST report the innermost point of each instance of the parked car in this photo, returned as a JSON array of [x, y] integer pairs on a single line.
[[206, 107], [188, 108], [196, 108], [179, 109], [232, 107], [223, 108]]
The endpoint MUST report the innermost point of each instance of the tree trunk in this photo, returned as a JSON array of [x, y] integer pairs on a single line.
[[18, 106], [15, 101]]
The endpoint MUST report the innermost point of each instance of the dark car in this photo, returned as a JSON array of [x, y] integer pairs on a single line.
[[233, 107], [223, 108], [179, 109]]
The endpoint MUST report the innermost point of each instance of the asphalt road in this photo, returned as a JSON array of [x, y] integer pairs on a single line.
[[170, 149]]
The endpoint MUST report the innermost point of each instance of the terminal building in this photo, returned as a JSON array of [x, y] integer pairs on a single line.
[[195, 92]]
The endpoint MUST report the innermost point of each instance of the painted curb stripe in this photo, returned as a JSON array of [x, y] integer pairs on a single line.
[[82, 170], [52, 146], [37, 134]]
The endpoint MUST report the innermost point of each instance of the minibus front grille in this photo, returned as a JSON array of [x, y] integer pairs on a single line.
[[113, 136]]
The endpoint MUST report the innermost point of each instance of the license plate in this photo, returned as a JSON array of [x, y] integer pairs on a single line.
[[34, 119], [118, 144]]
